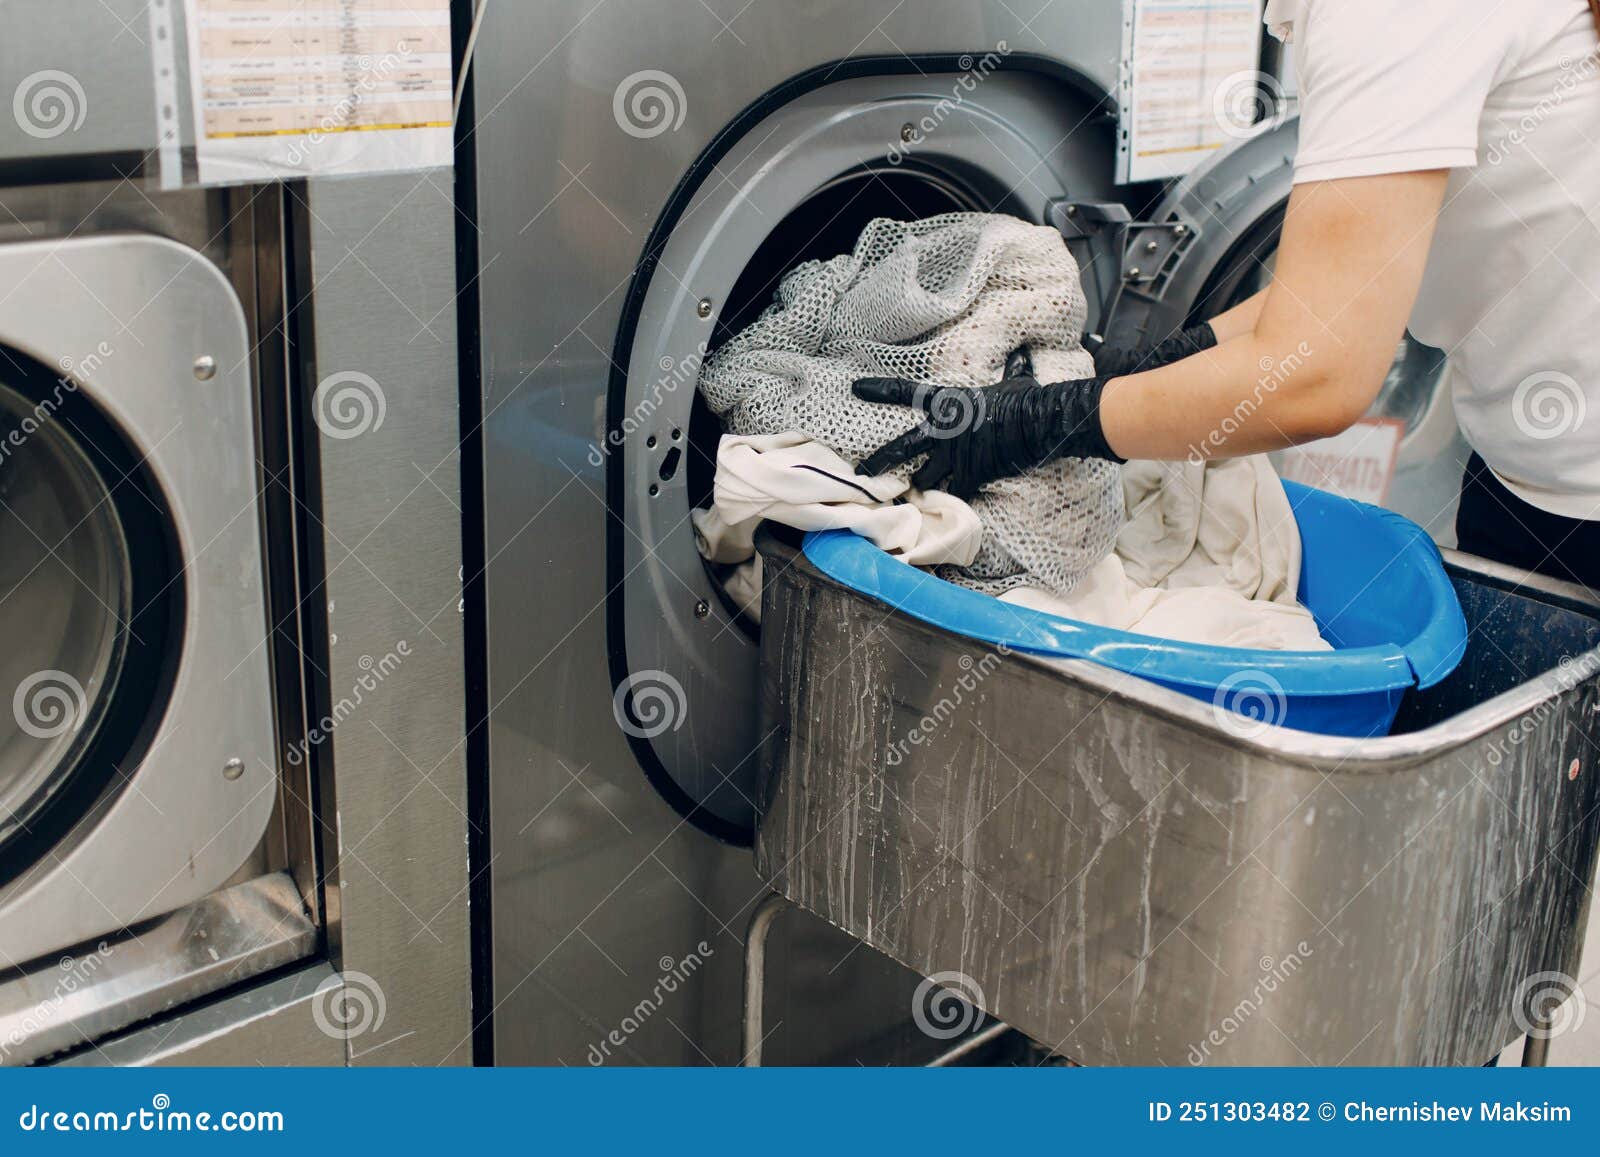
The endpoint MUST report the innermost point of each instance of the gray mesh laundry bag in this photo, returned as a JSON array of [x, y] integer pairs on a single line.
[[943, 300]]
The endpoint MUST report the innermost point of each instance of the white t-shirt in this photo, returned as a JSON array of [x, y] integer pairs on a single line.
[[1507, 94]]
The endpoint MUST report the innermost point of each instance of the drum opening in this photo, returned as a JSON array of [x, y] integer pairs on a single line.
[[825, 225]]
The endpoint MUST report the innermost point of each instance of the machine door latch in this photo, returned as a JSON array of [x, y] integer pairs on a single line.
[[1119, 258]]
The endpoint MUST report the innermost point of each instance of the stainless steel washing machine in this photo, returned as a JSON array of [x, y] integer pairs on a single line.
[[645, 173], [233, 793]]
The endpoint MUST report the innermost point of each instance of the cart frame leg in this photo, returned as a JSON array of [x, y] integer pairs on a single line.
[[752, 1037]]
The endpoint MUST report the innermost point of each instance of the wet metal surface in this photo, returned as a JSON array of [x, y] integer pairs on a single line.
[[1128, 877]]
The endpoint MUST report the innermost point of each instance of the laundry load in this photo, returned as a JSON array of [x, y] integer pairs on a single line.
[[944, 300], [1207, 553]]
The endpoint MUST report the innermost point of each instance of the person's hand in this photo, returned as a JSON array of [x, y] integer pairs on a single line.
[[974, 436], [1118, 363]]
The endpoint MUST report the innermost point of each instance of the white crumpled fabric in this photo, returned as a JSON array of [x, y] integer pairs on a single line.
[[797, 482], [1209, 553]]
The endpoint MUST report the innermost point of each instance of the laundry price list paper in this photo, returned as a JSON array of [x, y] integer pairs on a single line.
[[1190, 83], [285, 88]]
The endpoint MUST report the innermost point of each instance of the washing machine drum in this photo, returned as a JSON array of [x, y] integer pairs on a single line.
[[65, 606]]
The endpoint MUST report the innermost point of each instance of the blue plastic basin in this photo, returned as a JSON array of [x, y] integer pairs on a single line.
[[1372, 579]]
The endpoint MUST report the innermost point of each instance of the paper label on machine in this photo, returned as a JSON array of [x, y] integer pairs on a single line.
[[292, 88], [1358, 463], [1191, 83]]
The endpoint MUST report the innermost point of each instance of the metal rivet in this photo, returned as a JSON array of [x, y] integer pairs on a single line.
[[1151, 246], [676, 434], [704, 308], [1180, 230], [654, 490], [205, 367], [1133, 273], [702, 609], [908, 132], [1072, 210], [650, 442], [233, 769]]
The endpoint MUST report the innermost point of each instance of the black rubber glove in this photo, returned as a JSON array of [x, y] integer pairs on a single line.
[[975, 436], [1117, 363]]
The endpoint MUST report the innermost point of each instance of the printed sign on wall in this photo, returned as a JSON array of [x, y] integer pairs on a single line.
[[1359, 463], [310, 87], [1191, 82]]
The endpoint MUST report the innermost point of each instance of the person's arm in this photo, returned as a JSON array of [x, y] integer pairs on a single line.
[[1311, 361], [1241, 319]]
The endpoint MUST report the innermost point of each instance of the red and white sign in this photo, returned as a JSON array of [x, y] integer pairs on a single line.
[[1358, 463]]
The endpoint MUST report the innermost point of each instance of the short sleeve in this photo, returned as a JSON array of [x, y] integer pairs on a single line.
[[1395, 88]]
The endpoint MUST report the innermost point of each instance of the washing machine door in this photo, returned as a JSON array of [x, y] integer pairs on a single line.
[[65, 587], [1212, 242], [138, 762]]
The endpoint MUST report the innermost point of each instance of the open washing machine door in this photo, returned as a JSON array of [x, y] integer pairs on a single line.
[[137, 757], [1211, 243]]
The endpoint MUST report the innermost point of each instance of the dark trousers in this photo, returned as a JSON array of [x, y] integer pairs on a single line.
[[1495, 523]]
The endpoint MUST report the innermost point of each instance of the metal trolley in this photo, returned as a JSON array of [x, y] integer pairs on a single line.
[[1129, 877]]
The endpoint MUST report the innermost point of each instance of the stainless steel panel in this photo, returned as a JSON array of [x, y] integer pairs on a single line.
[[198, 800], [79, 78], [1131, 877], [279, 1022], [383, 399], [225, 939], [596, 881]]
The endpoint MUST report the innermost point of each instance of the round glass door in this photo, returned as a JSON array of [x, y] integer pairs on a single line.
[[65, 604]]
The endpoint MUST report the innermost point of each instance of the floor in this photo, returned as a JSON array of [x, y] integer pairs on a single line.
[[1580, 1046]]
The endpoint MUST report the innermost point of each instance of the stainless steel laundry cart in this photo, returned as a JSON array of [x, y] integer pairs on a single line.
[[1128, 876]]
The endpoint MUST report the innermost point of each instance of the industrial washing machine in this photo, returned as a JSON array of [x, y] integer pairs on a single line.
[[232, 784], [644, 175]]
